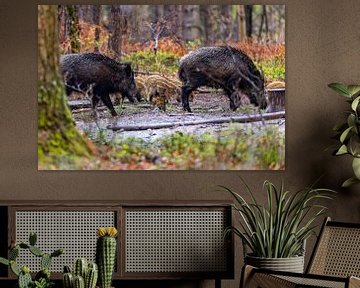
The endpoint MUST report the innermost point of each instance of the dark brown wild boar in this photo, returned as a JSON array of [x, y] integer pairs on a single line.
[[99, 74], [222, 67]]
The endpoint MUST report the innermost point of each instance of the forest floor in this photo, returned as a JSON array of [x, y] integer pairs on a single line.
[[206, 107], [210, 138]]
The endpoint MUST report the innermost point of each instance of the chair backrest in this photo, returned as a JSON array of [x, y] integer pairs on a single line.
[[337, 251]]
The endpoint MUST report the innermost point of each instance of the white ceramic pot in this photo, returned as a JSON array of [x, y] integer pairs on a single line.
[[291, 264]]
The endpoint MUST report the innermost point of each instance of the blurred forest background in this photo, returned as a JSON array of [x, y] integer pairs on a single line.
[[127, 32], [114, 27]]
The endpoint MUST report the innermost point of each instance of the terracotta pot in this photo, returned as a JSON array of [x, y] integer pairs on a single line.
[[291, 264]]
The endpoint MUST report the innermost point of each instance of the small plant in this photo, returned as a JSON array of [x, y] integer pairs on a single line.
[[162, 61], [85, 275], [349, 132], [105, 254], [42, 278], [279, 229]]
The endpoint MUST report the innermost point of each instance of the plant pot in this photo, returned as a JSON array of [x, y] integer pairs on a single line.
[[275, 99], [291, 264]]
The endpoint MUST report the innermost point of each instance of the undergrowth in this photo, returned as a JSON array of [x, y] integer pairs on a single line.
[[253, 148]]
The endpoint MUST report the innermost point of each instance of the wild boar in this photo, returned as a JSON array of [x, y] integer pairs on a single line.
[[100, 75], [222, 67]]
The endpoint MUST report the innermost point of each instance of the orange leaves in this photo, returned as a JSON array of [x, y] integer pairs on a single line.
[[258, 51]]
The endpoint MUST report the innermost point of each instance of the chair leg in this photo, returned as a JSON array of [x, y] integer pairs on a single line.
[[246, 274], [354, 282], [217, 283]]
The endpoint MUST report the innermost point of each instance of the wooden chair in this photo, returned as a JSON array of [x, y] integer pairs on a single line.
[[335, 262]]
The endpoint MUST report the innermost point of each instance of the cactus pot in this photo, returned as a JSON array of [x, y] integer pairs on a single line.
[[291, 264]]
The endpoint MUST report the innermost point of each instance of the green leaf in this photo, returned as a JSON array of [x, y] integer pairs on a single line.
[[353, 89], [354, 145], [349, 182], [345, 134], [355, 103], [340, 88], [356, 167], [342, 150], [351, 120]]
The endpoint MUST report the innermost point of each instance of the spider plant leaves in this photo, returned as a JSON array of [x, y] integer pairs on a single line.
[[351, 181], [279, 228]]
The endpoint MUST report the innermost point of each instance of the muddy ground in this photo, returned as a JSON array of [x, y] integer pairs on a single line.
[[205, 106]]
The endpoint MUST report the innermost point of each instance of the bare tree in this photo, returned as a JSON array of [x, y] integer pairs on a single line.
[[73, 30], [118, 26], [241, 22], [191, 25], [249, 20], [225, 26], [264, 21]]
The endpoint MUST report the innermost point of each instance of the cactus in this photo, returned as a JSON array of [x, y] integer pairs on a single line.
[[36, 251], [45, 261], [23, 273], [24, 280], [14, 268], [68, 280], [91, 276], [57, 252], [79, 282], [43, 274], [88, 273], [105, 255], [80, 268], [32, 239], [67, 269], [13, 253]]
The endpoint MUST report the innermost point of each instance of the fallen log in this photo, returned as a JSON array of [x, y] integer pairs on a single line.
[[233, 119], [78, 104], [81, 104]]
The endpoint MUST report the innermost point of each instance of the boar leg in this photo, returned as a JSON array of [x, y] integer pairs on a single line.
[[185, 93], [234, 103], [105, 98]]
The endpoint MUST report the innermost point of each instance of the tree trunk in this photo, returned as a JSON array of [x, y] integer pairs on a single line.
[[249, 20], [74, 35], [225, 28], [96, 12], [191, 22], [117, 27], [242, 23], [57, 135], [263, 22]]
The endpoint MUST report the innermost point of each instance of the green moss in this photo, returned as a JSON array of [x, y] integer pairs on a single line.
[[57, 134]]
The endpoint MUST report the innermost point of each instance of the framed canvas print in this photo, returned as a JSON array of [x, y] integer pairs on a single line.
[[161, 87]]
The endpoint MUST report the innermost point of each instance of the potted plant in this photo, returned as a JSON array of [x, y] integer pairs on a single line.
[[349, 132], [42, 278], [276, 233]]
